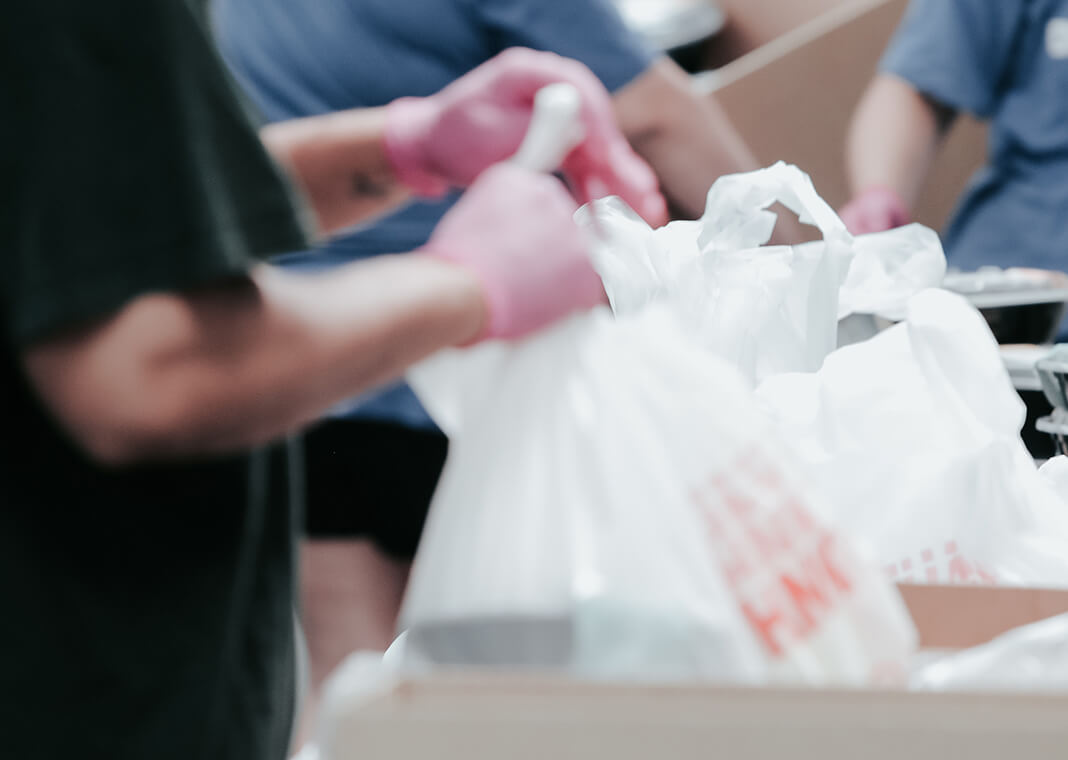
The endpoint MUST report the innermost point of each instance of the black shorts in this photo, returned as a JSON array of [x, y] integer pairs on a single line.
[[369, 479]]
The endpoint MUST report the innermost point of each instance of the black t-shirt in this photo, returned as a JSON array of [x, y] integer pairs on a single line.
[[145, 612]]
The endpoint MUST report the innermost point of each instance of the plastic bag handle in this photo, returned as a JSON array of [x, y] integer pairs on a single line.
[[554, 128]]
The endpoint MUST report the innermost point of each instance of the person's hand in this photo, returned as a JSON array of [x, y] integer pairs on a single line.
[[449, 138], [513, 230], [877, 209]]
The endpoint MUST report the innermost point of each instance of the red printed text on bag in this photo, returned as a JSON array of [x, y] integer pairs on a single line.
[[785, 568]]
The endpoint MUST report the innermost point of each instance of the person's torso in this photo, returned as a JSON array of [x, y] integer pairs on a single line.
[[1015, 212], [145, 611], [146, 607]]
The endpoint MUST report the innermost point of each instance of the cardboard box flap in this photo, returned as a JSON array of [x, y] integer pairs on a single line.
[[959, 617], [492, 716], [473, 715]]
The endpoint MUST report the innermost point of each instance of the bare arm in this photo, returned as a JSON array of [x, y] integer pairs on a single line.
[[233, 366], [339, 161], [686, 137], [688, 140], [893, 138]]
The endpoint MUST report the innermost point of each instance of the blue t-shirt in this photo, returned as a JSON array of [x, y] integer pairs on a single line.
[[1005, 61], [302, 58]]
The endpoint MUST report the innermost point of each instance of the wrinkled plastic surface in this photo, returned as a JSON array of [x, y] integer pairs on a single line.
[[1033, 658], [1054, 472], [914, 437], [615, 505], [361, 678], [766, 309]]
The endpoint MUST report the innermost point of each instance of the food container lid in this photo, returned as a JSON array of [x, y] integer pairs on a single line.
[[1053, 373], [993, 287], [1020, 361], [1055, 424]]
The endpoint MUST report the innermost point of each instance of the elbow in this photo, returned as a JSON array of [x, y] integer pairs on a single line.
[[130, 432], [106, 447], [121, 414], [121, 389]]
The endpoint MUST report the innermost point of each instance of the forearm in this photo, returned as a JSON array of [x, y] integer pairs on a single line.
[[235, 366], [339, 161], [687, 138], [893, 139], [691, 152]]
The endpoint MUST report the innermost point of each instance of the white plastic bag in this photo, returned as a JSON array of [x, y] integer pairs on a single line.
[[1054, 472], [613, 505], [914, 437], [888, 268], [767, 310], [360, 679], [1033, 658]]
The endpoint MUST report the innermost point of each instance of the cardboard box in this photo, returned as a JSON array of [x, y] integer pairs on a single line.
[[754, 23], [793, 96], [517, 719], [475, 716]]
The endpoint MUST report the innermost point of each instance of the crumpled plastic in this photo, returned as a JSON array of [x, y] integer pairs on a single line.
[[766, 309], [615, 505], [361, 678], [913, 434], [1054, 472], [1032, 658]]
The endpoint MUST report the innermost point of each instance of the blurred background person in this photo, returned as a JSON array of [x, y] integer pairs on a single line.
[[1005, 61], [372, 468]]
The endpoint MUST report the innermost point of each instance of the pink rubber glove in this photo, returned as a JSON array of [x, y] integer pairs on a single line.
[[513, 229], [875, 210], [480, 119]]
